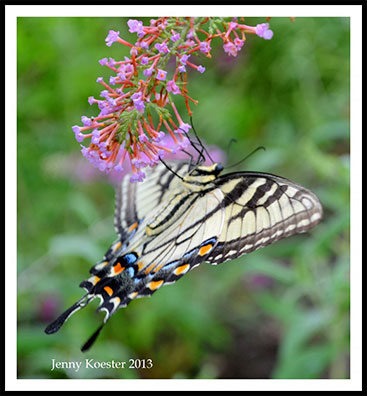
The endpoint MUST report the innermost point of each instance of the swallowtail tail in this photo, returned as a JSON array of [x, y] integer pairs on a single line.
[[175, 220]]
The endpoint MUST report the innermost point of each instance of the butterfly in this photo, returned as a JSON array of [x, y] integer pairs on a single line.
[[183, 215]]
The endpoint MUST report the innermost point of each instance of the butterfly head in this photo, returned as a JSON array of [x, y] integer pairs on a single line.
[[202, 175]]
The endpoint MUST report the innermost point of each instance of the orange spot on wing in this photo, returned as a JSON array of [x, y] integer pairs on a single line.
[[96, 279], [133, 295], [117, 246], [108, 290], [153, 285], [205, 249], [146, 272], [182, 268], [140, 265], [117, 268], [132, 227], [158, 268]]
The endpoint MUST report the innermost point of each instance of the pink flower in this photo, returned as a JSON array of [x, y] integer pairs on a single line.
[[262, 30], [175, 36], [201, 69], [135, 27], [138, 101], [148, 72], [238, 43], [183, 128], [230, 48], [184, 58], [205, 47], [144, 60], [162, 48], [172, 87], [161, 74], [112, 37], [137, 176]]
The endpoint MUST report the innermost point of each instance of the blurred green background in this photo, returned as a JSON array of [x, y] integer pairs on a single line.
[[279, 312]]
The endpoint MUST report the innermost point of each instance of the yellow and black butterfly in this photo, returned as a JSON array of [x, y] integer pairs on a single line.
[[183, 215]]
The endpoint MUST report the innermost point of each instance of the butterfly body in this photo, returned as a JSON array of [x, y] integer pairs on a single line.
[[176, 220]]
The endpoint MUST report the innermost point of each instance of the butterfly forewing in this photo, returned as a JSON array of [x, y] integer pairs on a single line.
[[261, 209]]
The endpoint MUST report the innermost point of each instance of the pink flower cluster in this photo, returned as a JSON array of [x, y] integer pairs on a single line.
[[137, 109]]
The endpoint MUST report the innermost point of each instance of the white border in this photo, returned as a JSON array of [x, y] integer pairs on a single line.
[[191, 10], [11, 13]]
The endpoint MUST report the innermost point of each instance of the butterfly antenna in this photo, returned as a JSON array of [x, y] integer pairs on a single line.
[[230, 144], [247, 156], [170, 169], [191, 157], [193, 144], [200, 142]]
